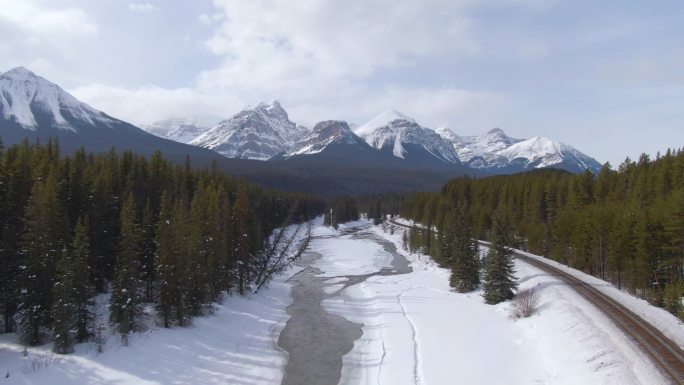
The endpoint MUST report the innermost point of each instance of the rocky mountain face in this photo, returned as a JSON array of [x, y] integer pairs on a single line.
[[254, 133], [325, 134], [498, 153], [394, 132]]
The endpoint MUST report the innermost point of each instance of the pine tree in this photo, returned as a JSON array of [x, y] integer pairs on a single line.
[[148, 251], [64, 308], [196, 259], [169, 299], [126, 295], [41, 247], [243, 240], [82, 278], [465, 260], [499, 282]]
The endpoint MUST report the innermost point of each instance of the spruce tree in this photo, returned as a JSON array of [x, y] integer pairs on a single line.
[[243, 240], [499, 283], [126, 294], [148, 251], [170, 305], [465, 257], [196, 259], [42, 242], [82, 280], [63, 308]]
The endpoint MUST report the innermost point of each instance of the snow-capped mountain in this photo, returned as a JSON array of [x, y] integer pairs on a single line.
[[253, 133], [184, 129], [394, 132], [497, 152], [540, 152], [324, 134], [31, 107], [30, 101]]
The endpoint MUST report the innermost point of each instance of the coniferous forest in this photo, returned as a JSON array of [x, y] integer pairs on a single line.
[[625, 226], [144, 230]]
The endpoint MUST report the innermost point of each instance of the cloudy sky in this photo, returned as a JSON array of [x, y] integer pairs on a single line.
[[604, 76]]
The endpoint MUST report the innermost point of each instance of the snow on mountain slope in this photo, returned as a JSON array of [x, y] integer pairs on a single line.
[[496, 151], [540, 152], [253, 133], [323, 135], [35, 109], [396, 132], [183, 130], [29, 100], [381, 120]]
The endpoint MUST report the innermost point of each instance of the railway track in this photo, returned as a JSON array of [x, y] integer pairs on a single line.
[[665, 354]]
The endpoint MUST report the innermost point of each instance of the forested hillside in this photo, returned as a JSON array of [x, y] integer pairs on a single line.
[[625, 226], [145, 230]]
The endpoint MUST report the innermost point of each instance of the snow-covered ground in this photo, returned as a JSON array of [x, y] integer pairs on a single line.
[[418, 331], [667, 323], [235, 345]]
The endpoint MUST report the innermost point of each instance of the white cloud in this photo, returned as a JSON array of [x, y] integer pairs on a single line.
[[205, 19], [142, 7], [151, 103], [328, 38], [319, 57], [43, 22]]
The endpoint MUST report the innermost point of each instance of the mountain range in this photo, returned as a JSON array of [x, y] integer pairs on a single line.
[[391, 152], [265, 132]]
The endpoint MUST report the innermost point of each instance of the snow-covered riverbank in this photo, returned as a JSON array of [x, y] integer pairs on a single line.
[[418, 331], [415, 331]]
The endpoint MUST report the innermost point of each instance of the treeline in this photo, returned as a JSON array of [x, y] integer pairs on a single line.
[[145, 230], [341, 210], [625, 226], [376, 207]]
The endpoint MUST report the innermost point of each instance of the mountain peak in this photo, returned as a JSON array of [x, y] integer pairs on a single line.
[[24, 96], [270, 104], [323, 135], [496, 131], [381, 120], [19, 72], [254, 133]]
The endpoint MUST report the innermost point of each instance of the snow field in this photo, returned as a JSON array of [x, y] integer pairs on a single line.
[[237, 344], [668, 324], [346, 256], [417, 331]]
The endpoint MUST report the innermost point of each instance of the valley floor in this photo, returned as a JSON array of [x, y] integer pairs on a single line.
[[415, 331]]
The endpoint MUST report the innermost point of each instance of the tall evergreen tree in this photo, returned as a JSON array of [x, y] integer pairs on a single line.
[[465, 260], [42, 242], [196, 260], [82, 280], [148, 250], [169, 298], [243, 239], [64, 308], [499, 281], [126, 294]]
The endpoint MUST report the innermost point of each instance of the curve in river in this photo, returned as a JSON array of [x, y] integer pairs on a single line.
[[314, 339]]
